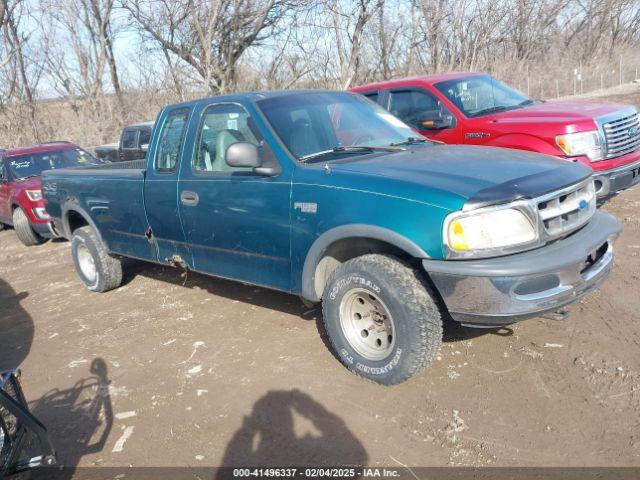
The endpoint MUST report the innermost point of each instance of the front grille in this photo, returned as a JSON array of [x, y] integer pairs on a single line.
[[567, 210], [622, 135]]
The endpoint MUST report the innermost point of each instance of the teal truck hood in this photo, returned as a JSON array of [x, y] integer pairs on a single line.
[[479, 175]]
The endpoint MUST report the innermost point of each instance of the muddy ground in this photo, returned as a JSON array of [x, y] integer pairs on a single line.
[[197, 371]]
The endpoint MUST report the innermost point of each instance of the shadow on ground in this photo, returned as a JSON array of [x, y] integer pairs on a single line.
[[79, 419], [275, 300], [16, 328], [289, 428]]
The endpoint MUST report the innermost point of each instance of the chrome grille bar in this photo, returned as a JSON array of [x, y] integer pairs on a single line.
[[566, 211], [622, 135]]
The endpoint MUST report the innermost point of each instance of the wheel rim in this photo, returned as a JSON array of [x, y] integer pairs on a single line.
[[367, 324], [86, 262]]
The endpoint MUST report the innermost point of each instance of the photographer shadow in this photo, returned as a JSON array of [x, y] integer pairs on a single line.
[[79, 419], [289, 428], [16, 327]]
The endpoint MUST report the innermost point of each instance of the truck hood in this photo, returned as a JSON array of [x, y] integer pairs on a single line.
[[480, 175], [559, 111], [31, 183]]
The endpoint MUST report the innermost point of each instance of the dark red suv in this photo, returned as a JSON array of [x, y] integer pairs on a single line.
[[21, 203]]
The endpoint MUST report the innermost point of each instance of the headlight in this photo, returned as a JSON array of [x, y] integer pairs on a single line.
[[34, 195], [475, 234], [581, 143]]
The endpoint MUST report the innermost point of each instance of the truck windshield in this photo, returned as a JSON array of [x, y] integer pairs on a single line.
[[317, 125], [33, 164], [481, 95]]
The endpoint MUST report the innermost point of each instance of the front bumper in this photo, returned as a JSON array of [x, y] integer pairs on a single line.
[[42, 229], [504, 290], [608, 182]]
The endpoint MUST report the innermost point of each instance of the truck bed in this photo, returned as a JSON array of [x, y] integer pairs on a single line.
[[111, 195]]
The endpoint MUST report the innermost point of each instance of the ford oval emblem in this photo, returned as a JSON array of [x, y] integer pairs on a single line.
[[583, 204]]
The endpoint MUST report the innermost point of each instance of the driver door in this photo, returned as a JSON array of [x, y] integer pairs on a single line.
[[236, 221]]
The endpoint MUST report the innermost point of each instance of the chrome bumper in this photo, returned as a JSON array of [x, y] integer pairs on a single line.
[[504, 290], [608, 182]]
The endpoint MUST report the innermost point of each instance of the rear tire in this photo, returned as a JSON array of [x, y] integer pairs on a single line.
[[381, 318], [99, 271], [23, 229]]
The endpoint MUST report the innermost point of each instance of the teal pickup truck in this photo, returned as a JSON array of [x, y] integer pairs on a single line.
[[328, 196]]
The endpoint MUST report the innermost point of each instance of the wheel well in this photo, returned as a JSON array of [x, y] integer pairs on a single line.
[[345, 249], [75, 221]]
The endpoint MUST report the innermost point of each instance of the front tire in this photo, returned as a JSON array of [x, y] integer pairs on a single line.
[[23, 229], [381, 318], [99, 271]]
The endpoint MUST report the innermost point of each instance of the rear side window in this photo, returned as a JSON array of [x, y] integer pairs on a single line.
[[129, 139], [145, 136], [171, 140]]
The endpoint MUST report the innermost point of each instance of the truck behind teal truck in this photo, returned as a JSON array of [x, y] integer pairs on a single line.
[[328, 196]]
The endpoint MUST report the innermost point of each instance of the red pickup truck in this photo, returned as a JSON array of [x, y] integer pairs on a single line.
[[21, 202], [477, 109]]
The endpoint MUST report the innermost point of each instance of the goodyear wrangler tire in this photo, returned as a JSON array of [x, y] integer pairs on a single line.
[[23, 229], [99, 271], [381, 318]]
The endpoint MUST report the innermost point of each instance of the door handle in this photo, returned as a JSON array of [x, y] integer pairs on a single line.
[[189, 198]]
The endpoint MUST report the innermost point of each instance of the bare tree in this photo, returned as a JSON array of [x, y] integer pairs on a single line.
[[349, 33], [84, 47], [209, 36]]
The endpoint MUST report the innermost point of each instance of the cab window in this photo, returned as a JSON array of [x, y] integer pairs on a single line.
[[129, 139], [415, 107], [222, 125], [145, 137], [171, 140]]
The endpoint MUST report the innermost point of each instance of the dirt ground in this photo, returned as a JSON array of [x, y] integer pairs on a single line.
[[195, 371]]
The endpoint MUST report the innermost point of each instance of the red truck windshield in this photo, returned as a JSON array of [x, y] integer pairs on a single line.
[[33, 164], [481, 95]]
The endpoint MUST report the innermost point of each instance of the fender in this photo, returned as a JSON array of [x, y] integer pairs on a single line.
[[522, 141], [322, 243], [74, 207]]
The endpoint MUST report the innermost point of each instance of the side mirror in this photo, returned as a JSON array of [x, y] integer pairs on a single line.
[[246, 154], [430, 121]]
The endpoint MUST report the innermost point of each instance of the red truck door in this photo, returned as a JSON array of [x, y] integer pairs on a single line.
[[423, 111]]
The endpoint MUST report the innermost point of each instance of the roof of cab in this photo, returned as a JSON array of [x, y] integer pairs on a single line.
[[141, 124], [255, 96], [428, 79], [43, 147]]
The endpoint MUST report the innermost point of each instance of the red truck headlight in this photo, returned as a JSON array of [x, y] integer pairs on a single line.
[[34, 195], [581, 143]]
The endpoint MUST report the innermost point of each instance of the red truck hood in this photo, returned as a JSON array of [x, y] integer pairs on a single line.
[[31, 183], [558, 111]]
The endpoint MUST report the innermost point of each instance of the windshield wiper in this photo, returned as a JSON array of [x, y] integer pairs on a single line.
[[351, 148], [495, 109], [528, 101], [30, 176], [409, 141]]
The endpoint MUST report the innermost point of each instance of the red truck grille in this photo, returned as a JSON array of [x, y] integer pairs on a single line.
[[622, 135]]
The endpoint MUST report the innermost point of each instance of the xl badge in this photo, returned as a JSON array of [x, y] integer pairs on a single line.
[[305, 207]]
